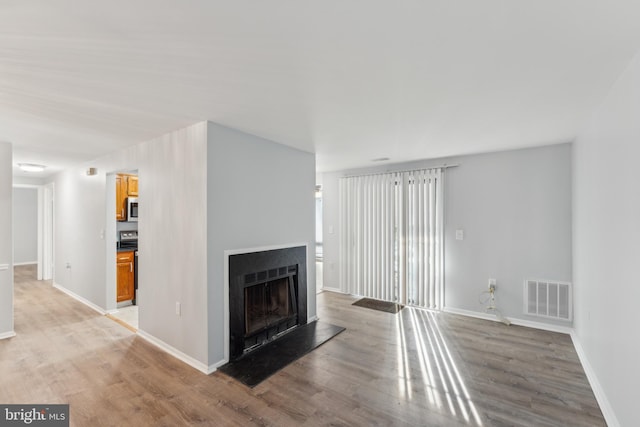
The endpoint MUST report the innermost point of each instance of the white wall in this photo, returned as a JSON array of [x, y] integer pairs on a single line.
[[606, 246], [25, 180], [25, 225], [515, 210], [203, 189], [259, 194], [172, 227], [172, 231], [6, 246]]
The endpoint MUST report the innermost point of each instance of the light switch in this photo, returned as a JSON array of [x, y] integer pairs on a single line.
[[460, 234], [330, 229]]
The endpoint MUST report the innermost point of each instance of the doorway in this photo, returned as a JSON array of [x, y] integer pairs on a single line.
[[33, 219], [121, 240]]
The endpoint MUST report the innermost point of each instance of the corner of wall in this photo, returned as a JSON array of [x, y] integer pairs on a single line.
[[598, 391], [6, 240]]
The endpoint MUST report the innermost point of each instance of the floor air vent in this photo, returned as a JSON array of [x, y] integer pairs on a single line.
[[549, 299]]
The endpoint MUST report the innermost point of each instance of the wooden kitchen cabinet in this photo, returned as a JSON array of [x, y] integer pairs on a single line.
[[132, 186], [126, 186], [125, 276], [121, 197]]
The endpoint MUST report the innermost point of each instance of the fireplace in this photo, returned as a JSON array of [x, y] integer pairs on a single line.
[[267, 297]]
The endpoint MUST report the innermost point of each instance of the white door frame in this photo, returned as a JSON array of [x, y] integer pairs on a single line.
[[46, 252], [45, 229]]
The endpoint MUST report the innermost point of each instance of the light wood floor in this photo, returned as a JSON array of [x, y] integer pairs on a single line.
[[414, 368]]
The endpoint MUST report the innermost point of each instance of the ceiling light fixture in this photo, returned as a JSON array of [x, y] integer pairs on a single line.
[[31, 167]]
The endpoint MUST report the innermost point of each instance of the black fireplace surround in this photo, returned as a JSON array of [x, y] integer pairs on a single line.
[[267, 296]]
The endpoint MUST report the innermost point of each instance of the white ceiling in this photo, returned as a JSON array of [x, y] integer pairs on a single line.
[[349, 80]]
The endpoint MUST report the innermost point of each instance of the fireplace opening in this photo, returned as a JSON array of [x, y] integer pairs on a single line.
[[269, 304], [267, 297]]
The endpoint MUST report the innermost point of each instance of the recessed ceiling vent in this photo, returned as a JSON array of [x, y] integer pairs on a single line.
[[549, 299]]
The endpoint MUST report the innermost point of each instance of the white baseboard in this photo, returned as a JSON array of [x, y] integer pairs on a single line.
[[24, 263], [6, 335], [336, 290], [520, 322], [215, 366], [601, 397], [312, 319], [80, 299], [147, 337], [178, 354]]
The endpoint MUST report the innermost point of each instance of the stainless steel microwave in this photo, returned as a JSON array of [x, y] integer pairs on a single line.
[[132, 208]]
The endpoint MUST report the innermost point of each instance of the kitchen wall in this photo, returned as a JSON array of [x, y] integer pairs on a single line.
[[6, 243], [606, 245], [25, 225], [515, 210], [260, 193]]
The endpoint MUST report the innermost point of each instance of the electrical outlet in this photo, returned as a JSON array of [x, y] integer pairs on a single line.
[[492, 285], [178, 309]]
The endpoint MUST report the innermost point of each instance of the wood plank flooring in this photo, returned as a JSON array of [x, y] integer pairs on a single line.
[[411, 368]]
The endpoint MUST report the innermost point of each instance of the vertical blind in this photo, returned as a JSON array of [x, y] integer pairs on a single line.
[[391, 240]]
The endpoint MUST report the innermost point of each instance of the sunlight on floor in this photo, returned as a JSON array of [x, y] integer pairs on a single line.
[[404, 375], [421, 334]]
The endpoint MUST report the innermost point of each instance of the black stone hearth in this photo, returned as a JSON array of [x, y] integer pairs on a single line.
[[260, 364], [267, 297]]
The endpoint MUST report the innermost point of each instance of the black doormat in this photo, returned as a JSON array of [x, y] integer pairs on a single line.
[[376, 304], [255, 367]]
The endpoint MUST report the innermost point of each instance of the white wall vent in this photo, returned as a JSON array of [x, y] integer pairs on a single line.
[[550, 299]]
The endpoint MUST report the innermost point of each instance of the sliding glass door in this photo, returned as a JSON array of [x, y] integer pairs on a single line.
[[391, 240]]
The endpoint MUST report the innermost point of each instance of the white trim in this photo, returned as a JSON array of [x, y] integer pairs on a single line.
[[40, 206], [48, 232], [178, 354], [7, 335], [24, 263], [515, 321], [4, 267], [598, 391], [80, 299], [31, 186], [225, 308], [336, 290], [262, 249], [313, 319], [40, 231], [226, 255], [215, 366]]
